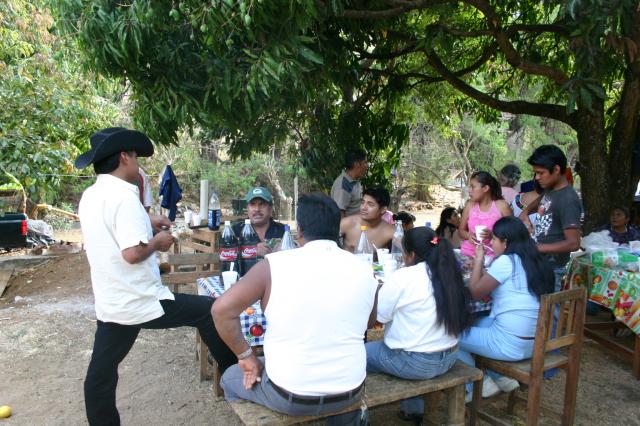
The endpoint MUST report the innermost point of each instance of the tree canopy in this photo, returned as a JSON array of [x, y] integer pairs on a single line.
[[335, 74], [49, 108]]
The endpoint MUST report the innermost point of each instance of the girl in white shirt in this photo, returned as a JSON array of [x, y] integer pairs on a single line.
[[425, 307]]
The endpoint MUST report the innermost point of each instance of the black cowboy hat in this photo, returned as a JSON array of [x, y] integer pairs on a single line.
[[112, 140]]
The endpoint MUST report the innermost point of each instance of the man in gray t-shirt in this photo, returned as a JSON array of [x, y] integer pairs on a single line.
[[559, 211], [347, 189]]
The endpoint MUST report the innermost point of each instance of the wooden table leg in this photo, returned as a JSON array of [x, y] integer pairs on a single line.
[[456, 407], [636, 358], [431, 408]]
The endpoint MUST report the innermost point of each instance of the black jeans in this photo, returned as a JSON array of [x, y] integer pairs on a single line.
[[113, 342]]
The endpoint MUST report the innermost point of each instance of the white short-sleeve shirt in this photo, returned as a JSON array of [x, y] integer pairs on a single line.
[[113, 219], [407, 306]]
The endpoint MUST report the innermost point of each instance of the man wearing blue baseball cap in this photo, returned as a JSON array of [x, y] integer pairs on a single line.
[[260, 212]]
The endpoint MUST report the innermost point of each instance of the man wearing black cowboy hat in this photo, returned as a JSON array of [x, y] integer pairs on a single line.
[[120, 238]]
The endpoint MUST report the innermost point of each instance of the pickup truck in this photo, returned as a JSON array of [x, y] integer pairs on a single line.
[[13, 226], [13, 230]]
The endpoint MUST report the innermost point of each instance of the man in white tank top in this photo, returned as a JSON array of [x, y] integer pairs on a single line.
[[317, 300]]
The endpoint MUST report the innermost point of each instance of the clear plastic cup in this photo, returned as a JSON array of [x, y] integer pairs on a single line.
[[479, 231], [229, 278]]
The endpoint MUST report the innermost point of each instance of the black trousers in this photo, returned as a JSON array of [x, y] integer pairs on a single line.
[[113, 342]]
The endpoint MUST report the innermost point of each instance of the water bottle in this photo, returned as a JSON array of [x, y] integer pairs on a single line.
[[287, 241], [396, 244], [364, 249], [215, 214]]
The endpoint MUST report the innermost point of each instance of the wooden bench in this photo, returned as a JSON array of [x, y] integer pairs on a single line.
[[381, 389]]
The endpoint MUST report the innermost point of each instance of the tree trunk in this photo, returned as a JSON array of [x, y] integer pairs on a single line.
[[594, 163]]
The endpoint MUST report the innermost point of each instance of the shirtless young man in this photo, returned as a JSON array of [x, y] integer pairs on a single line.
[[373, 205]]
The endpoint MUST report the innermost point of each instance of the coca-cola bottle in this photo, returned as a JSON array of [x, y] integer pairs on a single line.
[[248, 247], [228, 249]]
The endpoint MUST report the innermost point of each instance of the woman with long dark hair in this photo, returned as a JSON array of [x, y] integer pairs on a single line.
[[516, 279], [484, 208], [448, 227], [426, 308]]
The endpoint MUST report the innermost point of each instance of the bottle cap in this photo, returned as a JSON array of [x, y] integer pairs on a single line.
[[247, 221], [363, 227]]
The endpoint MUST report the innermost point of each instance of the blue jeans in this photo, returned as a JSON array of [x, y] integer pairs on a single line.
[[408, 365], [558, 274], [486, 339]]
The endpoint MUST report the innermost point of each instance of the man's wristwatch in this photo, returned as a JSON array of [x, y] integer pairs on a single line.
[[245, 354]]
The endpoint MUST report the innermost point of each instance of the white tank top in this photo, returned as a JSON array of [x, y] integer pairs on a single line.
[[320, 301]]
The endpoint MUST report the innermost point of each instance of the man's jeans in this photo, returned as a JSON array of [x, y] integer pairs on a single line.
[[408, 365], [263, 393]]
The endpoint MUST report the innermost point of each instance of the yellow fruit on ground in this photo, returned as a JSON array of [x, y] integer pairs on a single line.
[[5, 411]]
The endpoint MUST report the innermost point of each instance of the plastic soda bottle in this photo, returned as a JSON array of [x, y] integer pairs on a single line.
[[396, 244], [248, 247], [228, 249], [287, 241], [215, 214], [364, 249]]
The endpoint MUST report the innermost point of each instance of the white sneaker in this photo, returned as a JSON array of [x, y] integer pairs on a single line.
[[489, 387], [507, 384]]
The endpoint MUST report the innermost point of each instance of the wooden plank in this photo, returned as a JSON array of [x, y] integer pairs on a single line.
[[608, 343], [193, 258], [380, 389], [198, 247], [186, 277], [5, 275]]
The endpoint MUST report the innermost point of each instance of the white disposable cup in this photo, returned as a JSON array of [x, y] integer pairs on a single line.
[[389, 267], [384, 257], [381, 252], [229, 278], [196, 220], [188, 217], [479, 231]]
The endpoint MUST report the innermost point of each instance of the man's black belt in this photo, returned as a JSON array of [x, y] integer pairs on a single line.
[[315, 400]]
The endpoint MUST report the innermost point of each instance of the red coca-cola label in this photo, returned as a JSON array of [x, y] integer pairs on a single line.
[[228, 254], [249, 252]]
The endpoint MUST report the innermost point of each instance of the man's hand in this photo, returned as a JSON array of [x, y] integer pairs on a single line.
[[252, 369], [159, 223], [162, 241], [263, 249]]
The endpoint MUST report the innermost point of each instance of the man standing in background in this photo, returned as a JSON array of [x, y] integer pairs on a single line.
[[347, 189]]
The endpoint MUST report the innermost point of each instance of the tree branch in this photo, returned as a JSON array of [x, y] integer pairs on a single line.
[[487, 53], [511, 55], [400, 8], [556, 112]]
